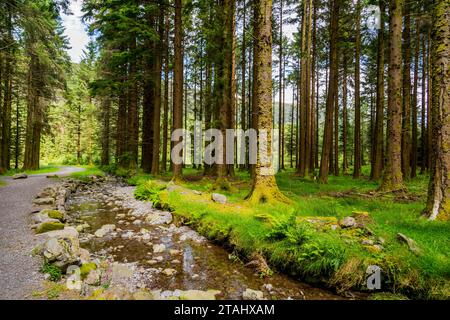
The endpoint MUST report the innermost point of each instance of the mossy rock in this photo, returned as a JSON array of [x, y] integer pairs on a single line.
[[54, 214], [86, 268], [49, 226]]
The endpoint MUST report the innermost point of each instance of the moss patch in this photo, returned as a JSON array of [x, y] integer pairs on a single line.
[[49, 226]]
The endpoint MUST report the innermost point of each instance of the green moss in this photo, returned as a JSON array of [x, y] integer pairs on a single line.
[[49, 226], [86, 268], [297, 238], [54, 214]]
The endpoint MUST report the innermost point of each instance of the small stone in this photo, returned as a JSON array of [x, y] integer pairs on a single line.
[[381, 240], [367, 242], [268, 287], [20, 176], [44, 201], [219, 198], [250, 294], [348, 222], [158, 248], [169, 272], [174, 252], [176, 261], [152, 261], [159, 258], [93, 278], [198, 294], [137, 222], [410, 242]]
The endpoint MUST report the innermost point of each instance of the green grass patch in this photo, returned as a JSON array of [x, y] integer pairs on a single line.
[[43, 169], [87, 172], [315, 252]]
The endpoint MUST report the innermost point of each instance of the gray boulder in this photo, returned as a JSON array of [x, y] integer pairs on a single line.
[[44, 201], [219, 198], [20, 176], [348, 222], [62, 252], [250, 294]]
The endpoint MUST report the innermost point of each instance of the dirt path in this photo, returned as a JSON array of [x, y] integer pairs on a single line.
[[19, 274]]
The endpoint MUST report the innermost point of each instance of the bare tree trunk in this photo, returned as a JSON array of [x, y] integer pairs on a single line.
[[423, 132], [438, 206], [414, 102], [331, 93], [378, 141], [133, 117], [358, 155], [106, 111], [79, 134], [166, 94], [392, 178], [157, 97], [344, 117], [178, 84], [406, 124]]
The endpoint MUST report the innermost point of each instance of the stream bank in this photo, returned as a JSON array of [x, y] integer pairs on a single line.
[[130, 250]]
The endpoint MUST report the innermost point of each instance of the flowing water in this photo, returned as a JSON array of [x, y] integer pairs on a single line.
[[199, 264]]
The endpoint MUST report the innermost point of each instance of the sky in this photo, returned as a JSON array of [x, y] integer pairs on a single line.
[[75, 31]]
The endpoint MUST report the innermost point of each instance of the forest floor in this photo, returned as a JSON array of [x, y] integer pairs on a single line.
[[18, 269], [307, 239]]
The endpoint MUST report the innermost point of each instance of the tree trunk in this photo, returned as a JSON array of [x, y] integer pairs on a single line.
[[264, 186], [178, 84], [392, 178], [106, 110], [423, 132], [414, 103], [438, 206], [331, 93], [344, 117], [406, 124], [378, 141], [157, 104], [358, 156], [166, 94], [133, 117]]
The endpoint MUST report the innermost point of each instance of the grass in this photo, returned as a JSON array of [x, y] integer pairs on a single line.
[[43, 169], [87, 172], [311, 251]]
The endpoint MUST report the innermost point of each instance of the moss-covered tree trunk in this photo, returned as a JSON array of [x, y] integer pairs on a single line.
[[392, 177], [264, 187], [438, 205]]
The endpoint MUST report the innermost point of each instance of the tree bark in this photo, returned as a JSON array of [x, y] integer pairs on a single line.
[[438, 206], [406, 120], [331, 93], [414, 102], [358, 156], [378, 161], [264, 186], [166, 94], [392, 177], [178, 83]]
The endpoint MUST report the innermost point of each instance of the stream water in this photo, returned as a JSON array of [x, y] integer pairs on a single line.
[[199, 264]]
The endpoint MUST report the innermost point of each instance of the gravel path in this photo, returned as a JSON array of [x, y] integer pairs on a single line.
[[19, 275]]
